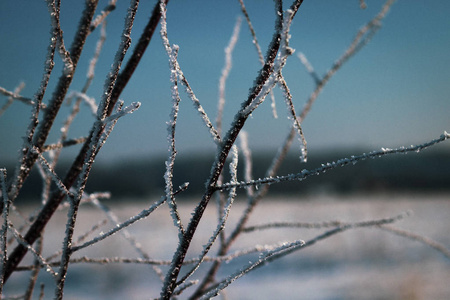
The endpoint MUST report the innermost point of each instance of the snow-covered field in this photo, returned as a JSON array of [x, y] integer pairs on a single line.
[[363, 263]]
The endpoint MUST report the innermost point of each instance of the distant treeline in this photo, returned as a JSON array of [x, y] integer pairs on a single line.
[[427, 172]]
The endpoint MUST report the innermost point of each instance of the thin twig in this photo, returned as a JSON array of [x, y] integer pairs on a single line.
[[287, 248], [65, 143], [95, 144], [225, 72], [214, 133], [320, 225], [363, 36], [168, 175], [221, 225], [419, 238], [12, 96], [260, 55], [100, 18], [19, 238], [35, 272], [23, 167], [114, 220], [339, 163], [143, 214], [15, 95]]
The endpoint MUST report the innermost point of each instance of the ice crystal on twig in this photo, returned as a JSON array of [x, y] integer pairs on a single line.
[[189, 91], [171, 125], [329, 166], [263, 257], [21, 240], [221, 225], [329, 224]]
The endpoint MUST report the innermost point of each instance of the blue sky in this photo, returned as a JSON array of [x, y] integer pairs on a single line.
[[394, 92]]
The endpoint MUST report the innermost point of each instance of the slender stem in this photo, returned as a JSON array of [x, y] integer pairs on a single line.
[[136, 56], [95, 145], [228, 141], [40, 136], [52, 204]]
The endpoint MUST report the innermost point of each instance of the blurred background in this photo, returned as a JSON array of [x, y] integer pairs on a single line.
[[394, 92]]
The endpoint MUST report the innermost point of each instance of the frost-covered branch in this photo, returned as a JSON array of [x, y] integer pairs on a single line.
[[278, 64], [15, 95], [258, 49], [50, 172], [173, 61], [138, 52], [38, 139], [223, 151], [329, 224], [221, 225], [122, 112], [248, 164], [262, 259], [363, 36], [65, 143], [25, 162], [284, 249], [100, 18], [54, 10], [143, 214], [225, 72], [88, 100], [114, 220], [95, 144], [419, 238], [290, 105], [329, 166], [185, 264], [171, 125], [35, 273], [19, 238]]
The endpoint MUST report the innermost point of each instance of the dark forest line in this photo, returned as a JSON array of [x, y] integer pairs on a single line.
[[427, 172]]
